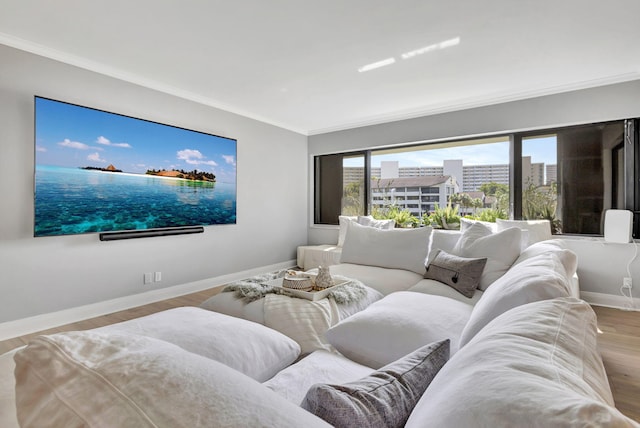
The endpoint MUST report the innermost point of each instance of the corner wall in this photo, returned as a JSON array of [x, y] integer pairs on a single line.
[[44, 275], [601, 267]]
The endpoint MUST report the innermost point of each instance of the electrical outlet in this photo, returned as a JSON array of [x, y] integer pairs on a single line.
[[627, 282], [148, 278]]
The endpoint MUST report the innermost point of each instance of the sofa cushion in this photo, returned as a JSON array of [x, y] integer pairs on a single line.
[[97, 379], [538, 278], [567, 258], [430, 286], [460, 273], [465, 223], [501, 249], [537, 230], [385, 398], [367, 220], [345, 220], [397, 325], [260, 354], [535, 366], [384, 280], [320, 366], [394, 248]]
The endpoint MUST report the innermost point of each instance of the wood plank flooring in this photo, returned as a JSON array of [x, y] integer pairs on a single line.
[[619, 342], [193, 299], [619, 346]]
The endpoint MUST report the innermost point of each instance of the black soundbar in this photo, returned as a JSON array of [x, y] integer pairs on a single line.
[[132, 234]]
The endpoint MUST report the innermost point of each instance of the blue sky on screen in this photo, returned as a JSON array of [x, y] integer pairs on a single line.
[[72, 136], [541, 149]]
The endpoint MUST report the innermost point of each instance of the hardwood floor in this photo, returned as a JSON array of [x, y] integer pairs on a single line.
[[619, 346], [619, 343], [193, 299]]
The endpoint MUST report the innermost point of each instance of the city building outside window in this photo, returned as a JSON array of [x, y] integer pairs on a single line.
[[568, 176]]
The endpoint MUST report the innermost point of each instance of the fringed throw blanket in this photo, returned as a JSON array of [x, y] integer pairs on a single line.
[[256, 288], [304, 321]]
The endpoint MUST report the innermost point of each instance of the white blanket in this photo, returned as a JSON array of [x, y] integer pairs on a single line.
[[302, 320]]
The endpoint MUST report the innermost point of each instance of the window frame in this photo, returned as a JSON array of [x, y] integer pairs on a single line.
[[631, 160]]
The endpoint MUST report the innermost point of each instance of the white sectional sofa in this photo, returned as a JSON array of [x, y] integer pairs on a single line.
[[521, 351]]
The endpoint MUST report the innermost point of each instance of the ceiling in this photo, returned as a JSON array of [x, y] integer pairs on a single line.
[[294, 63]]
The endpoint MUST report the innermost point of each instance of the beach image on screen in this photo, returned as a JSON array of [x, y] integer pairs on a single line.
[[97, 171]]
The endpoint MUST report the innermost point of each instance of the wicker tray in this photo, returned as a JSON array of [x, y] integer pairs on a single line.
[[309, 295]]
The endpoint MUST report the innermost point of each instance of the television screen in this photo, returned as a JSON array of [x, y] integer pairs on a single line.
[[97, 171]]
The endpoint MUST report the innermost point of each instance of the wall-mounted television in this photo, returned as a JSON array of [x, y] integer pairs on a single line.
[[97, 172]]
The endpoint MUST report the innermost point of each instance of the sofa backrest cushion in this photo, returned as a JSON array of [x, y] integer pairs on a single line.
[[566, 257], [465, 223], [385, 398], [393, 248], [253, 349], [398, 324], [368, 220], [535, 366], [537, 230], [98, 379], [442, 239], [501, 249], [538, 278]]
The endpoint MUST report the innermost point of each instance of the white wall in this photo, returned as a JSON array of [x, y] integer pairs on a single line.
[[43, 275], [601, 267]]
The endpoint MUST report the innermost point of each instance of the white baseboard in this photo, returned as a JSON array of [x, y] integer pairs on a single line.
[[36, 323], [610, 300]]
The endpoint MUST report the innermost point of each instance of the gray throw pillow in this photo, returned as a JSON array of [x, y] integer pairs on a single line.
[[385, 398], [461, 273]]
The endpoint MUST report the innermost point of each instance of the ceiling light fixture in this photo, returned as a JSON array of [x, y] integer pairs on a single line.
[[377, 64], [436, 46]]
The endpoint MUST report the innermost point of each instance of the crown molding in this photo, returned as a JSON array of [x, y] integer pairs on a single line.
[[136, 79]]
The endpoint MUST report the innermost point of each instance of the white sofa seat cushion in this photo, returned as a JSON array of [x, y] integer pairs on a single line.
[[398, 324], [534, 366], [430, 286], [97, 379], [253, 349], [394, 248], [384, 280], [318, 367], [538, 278]]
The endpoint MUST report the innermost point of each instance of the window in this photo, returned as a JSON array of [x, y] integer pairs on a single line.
[[339, 186], [569, 176]]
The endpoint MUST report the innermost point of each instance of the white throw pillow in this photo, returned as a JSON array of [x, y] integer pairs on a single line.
[[344, 222], [539, 278], [501, 249], [465, 223], [393, 248], [98, 379], [260, 354], [534, 366], [367, 220], [537, 230], [397, 325]]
